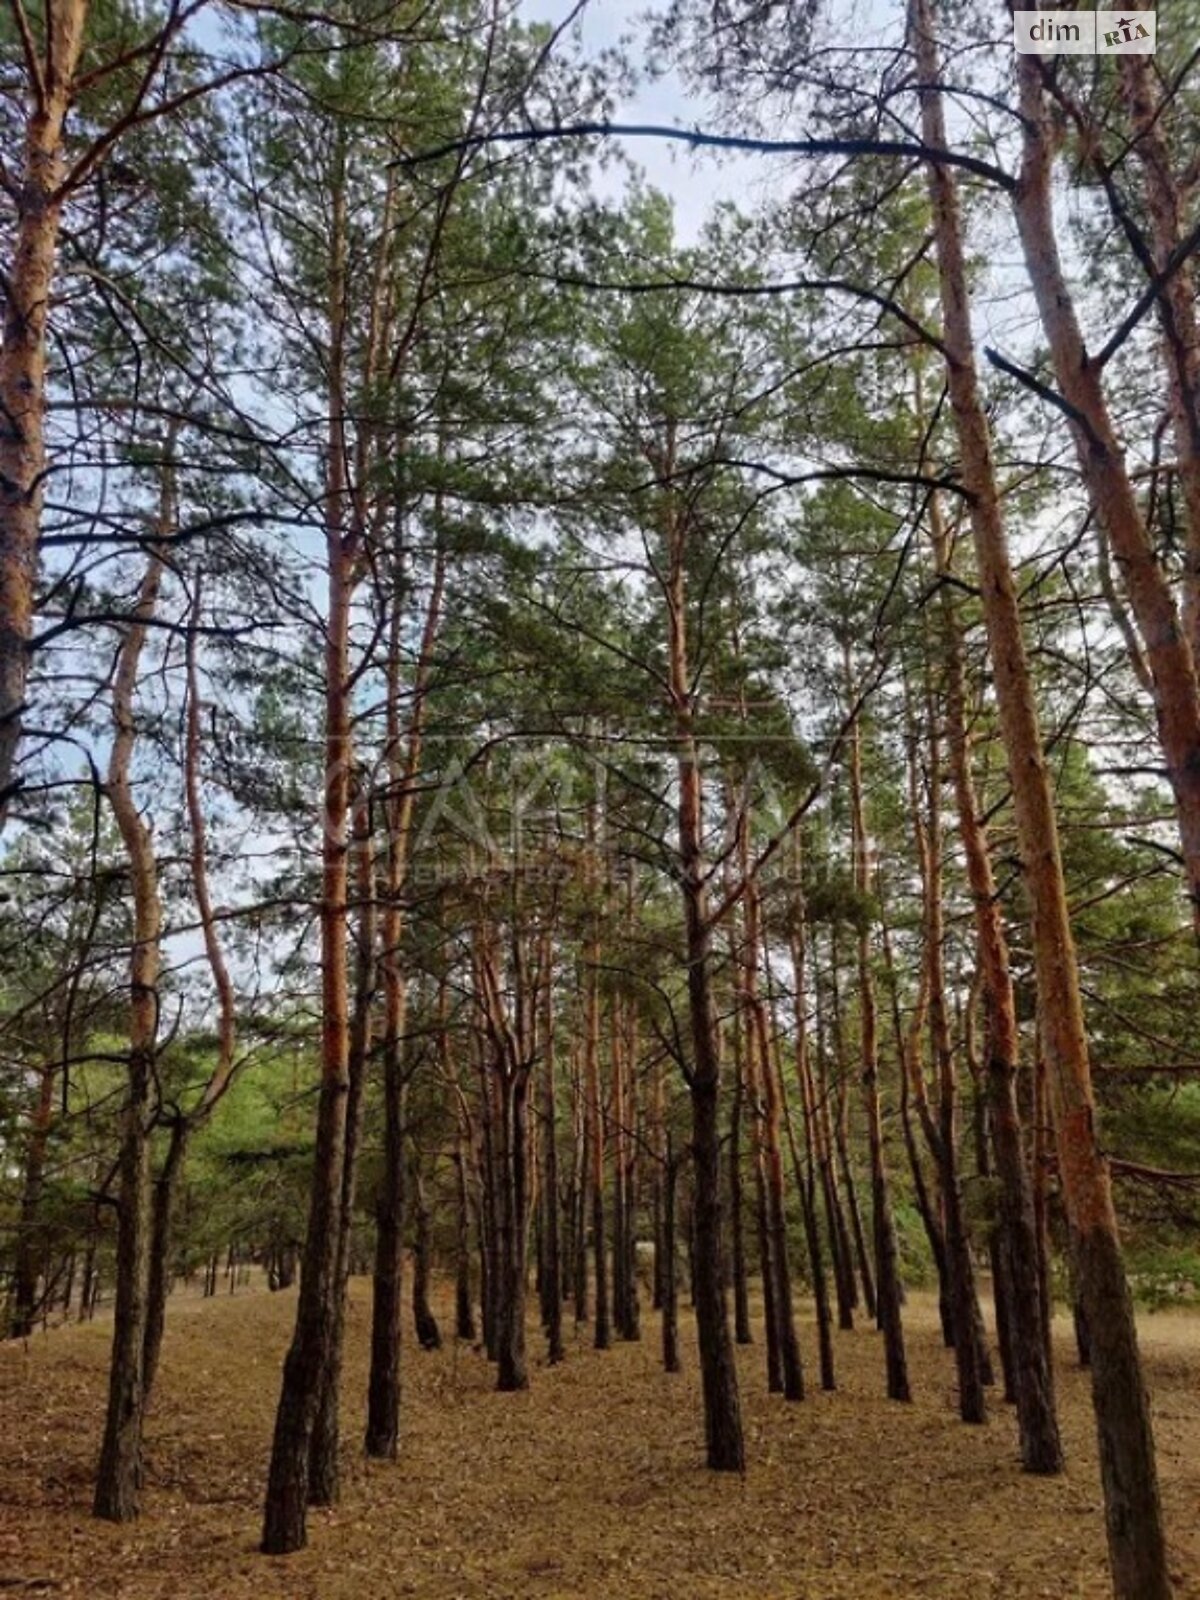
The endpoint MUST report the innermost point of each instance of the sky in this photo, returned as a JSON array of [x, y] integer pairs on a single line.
[[694, 181]]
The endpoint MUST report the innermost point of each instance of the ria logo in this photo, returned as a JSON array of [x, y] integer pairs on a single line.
[[1132, 36], [1084, 33]]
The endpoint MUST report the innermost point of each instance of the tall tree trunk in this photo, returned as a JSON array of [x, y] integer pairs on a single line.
[[602, 1331], [908, 1048], [579, 1189], [620, 1208], [403, 768], [1168, 650], [972, 1403], [382, 1438], [742, 1331], [28, 294], [835, 1220], [806, 1178], [886, 1257], [632, 1144], [118, 1477], [670, 1268], [323, 1482], [722, 1406], [1137, 1548], [658, 1155], [304, 1370], [765, 1107], [513, 1372], [841, 1128], [1032, 1374], [552, 1272]]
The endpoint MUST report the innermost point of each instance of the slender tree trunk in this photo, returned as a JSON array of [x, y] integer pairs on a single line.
[[670, 1270], [768, 1123], [323, 1482], [886, 1258], [742, 1331], [908, 1048], [579, 1190], [1040, 1175], [620, 1254], [658, 1153], [118, 1477], [464, 1312], [552, 1273], [305, 1366], [429, 1335], [632, 1321], [839, 1237], [159, 1285], [27, 1264], [806, 1179], [382, 1439], [1031, 1371], [1137, 1549], [403, 768], [842, 1139], [972, 1403], [722, 1406], [602, 1330]]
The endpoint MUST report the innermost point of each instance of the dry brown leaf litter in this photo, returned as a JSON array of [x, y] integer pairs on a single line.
[[589, 1485]]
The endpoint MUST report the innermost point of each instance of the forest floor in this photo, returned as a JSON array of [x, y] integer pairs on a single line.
[[591, 1484]]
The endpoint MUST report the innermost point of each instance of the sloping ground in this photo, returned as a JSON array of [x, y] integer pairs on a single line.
[[589, 1485]]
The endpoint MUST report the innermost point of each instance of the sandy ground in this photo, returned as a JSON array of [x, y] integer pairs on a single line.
[[591, 1484]]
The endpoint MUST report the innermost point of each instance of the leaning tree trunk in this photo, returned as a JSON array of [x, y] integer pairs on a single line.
[[118, 1477], [1136, 1542], [1166, 200], [1031, 1370], [1111, 493]]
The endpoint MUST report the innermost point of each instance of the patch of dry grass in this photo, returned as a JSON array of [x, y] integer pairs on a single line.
[[590, 1484]]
